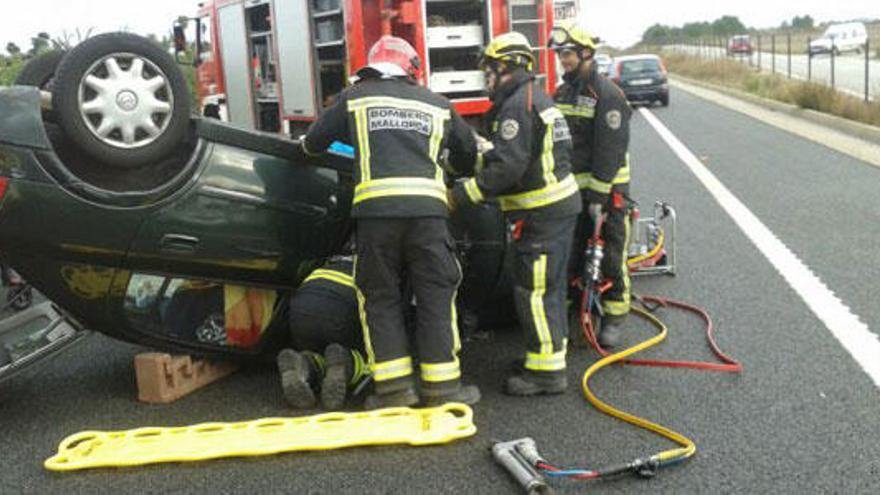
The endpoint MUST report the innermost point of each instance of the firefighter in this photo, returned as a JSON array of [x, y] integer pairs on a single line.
[[399, 130], [526, 168], [598, 116], [323, 316]]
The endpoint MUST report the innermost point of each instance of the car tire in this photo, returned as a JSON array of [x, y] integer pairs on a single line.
[[40, 71], [664, 100], [117, 116]]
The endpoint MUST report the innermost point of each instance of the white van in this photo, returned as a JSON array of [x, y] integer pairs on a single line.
[[848, 36]]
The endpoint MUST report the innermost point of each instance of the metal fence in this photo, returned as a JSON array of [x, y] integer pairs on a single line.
[[856, 72]]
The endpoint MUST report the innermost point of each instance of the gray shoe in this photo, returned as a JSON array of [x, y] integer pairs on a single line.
[[610, 332], [338, 370], [298, 374], [528, 383], [403, 398], [465, 394]]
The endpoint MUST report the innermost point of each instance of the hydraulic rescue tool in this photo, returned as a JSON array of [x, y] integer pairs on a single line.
[[521, 458]]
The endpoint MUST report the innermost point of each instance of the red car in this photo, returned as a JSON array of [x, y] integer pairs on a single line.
[[740, 44]]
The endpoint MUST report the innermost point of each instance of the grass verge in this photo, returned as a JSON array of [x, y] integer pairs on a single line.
[[812, 96]]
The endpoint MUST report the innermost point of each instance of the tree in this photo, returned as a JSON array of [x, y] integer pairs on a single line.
[[12, 49], [803, 22], [40, 44], [727, 25]]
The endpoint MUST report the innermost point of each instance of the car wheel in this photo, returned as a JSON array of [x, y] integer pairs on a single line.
[[40, 71], [122, 99], [664, 100]]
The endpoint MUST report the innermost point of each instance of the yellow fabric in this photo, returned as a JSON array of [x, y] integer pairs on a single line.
[[389, 370], [545, 362], [540, 197], [539, 317], [400, 186], [247, 313], [440, 372], [94, 449], [362, 313], [473, 191], [583, 111], [620, 308], [334, 276], [586, 180]]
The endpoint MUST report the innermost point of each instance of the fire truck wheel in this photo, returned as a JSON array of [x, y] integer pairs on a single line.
[[39, 71], [122, 99]]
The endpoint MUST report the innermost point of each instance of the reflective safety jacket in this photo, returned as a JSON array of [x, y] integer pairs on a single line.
[[527, 168], [598, 116], [398, 130]]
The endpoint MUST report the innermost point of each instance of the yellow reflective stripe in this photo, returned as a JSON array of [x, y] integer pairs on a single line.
[[539, 316], [436, 139], [363, 138], [403, 104], [545, 362], [399, 186], [576, 110], [550, 115], [585, 180], [548, 163], [620, 308], [362, 313], [331, 275], [599, 186], [473, 191], [456, 337], [440, 372], [478, 166], [540, 197], [389, 370]]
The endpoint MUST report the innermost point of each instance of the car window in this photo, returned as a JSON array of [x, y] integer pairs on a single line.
[[639, 66], [199, 311]]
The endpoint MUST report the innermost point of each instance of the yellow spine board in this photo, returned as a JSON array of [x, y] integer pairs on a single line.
[[401, 425]]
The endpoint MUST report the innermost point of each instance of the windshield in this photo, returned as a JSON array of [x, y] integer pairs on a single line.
[[639, 66]]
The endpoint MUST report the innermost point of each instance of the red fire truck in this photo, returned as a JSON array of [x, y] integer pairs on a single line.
[[274, 64]]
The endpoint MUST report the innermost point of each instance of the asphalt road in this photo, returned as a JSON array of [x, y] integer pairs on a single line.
[[802, 417], [849, 69]]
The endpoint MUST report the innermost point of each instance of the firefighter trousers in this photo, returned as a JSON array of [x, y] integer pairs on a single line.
[[391, 252], [616, 235], [542, 247]]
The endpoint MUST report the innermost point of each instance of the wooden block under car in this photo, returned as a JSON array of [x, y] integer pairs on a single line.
[[163, 378]]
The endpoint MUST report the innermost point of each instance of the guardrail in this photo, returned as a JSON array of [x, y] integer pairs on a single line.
[[849, 71]]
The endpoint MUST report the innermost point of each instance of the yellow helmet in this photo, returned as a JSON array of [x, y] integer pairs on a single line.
[[569, 35], [511, 48]]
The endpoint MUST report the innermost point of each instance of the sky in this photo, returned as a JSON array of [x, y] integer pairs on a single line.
[[620, 22]]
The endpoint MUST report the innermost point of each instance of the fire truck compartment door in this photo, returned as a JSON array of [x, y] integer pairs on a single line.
[[236, 65], [293, 36]]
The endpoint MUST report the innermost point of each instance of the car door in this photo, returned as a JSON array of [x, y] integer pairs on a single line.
[[211, 271]]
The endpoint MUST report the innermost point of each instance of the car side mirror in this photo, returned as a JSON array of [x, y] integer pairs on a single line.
[[179, 38]]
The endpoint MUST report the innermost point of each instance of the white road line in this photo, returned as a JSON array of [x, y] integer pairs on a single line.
[[853, 335]]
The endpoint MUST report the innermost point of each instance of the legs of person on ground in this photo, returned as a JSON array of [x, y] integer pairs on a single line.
[[540, 289]]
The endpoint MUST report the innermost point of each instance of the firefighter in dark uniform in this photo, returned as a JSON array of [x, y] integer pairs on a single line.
[[399, 130], [526, 169], [326, 345], [598, 116]]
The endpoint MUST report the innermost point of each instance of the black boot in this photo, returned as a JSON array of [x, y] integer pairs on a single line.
[[610, 331], [437, 394], [299, 375], [338, 374], [528, 383], [399, 392]]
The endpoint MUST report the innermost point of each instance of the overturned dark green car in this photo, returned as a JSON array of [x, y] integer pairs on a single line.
[[153, 251]]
